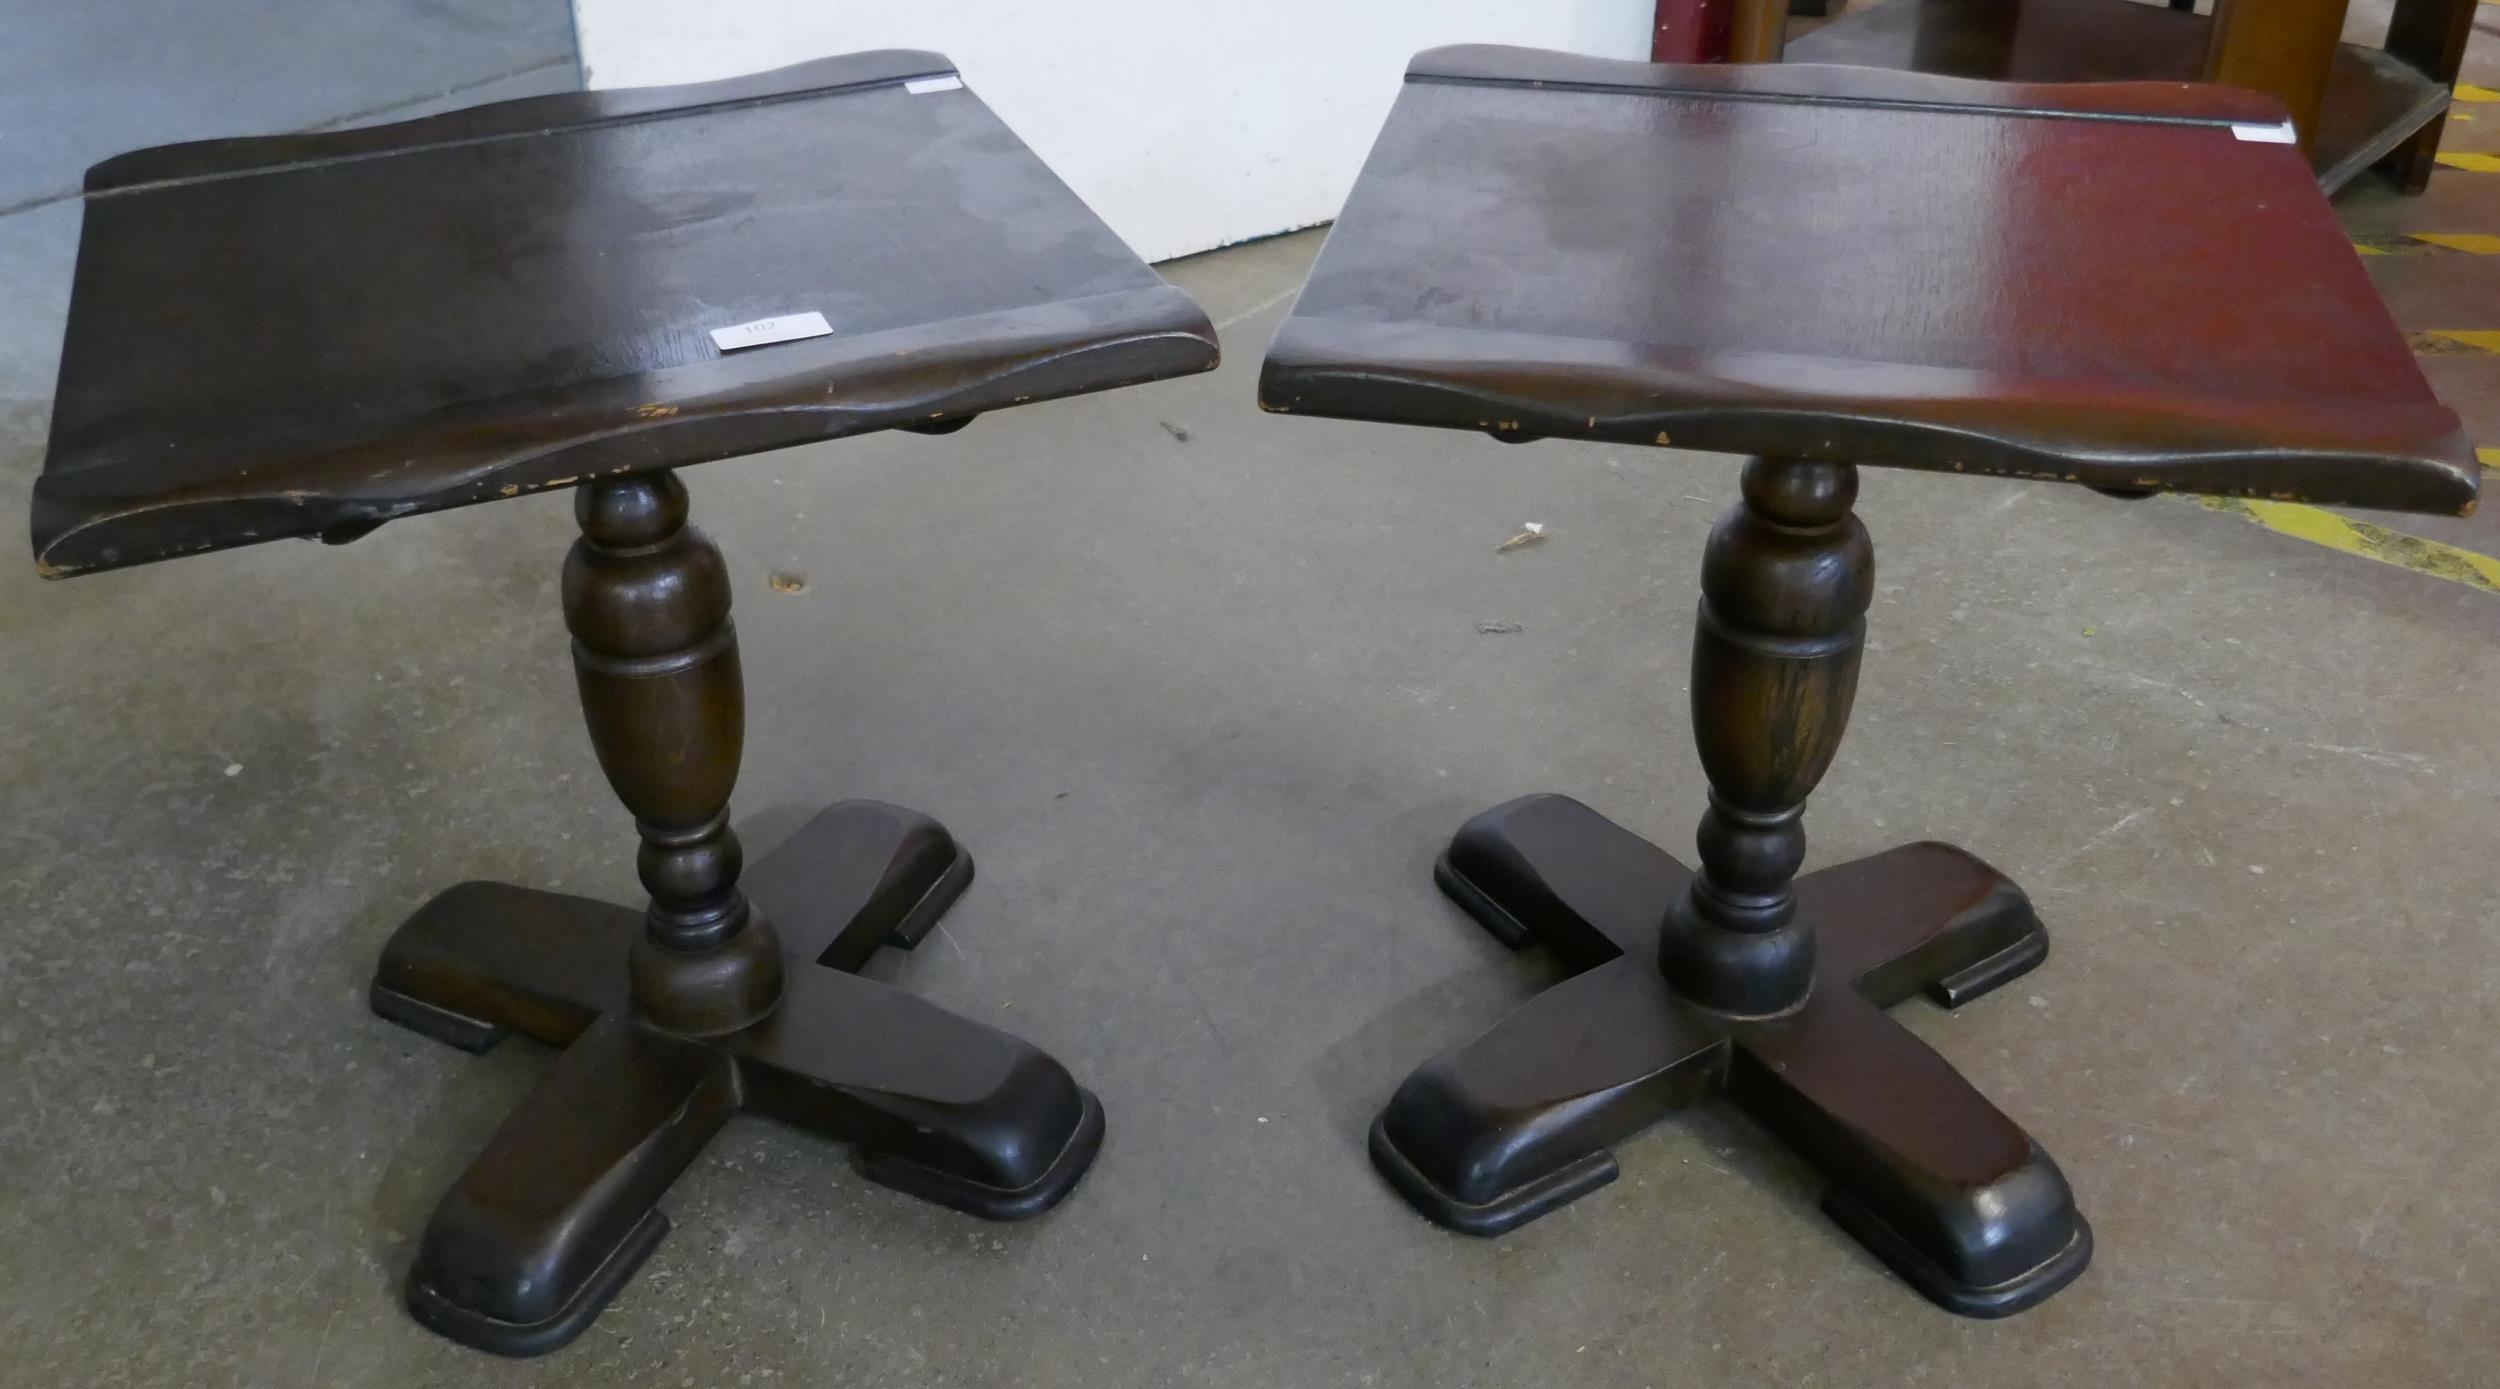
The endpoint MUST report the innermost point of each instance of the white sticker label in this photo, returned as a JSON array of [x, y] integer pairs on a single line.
[[788, 328], [922, 86], [2267, 134]]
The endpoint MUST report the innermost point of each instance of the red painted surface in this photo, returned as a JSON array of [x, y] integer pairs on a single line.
[[1692, 31]]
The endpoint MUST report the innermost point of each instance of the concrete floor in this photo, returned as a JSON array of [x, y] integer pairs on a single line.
[[1204, 690]]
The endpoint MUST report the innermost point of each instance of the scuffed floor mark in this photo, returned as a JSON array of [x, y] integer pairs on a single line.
[[2403, 761], [2103, 837]]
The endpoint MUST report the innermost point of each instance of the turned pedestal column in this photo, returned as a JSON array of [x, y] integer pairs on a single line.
[[646, 597]]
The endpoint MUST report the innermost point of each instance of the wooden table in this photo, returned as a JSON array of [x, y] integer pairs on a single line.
[[315, 335], [2352, 105], [2097, 285]]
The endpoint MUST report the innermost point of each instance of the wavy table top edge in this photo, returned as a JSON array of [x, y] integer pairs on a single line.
[[2177, 103], [537, 115], [2411, 456], [826, 388]]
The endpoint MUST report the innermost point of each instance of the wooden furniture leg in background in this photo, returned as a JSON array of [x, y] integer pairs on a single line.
[[2284, 48], [1760, 32], [2430, 35]]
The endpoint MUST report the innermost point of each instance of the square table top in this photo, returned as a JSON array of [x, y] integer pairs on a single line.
[[312, 334], [2125, 285]]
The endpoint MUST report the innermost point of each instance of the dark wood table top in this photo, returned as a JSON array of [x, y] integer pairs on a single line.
[[309, 335], [2095, 284]]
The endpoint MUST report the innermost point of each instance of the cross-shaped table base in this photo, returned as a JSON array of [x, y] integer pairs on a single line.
[[734, 989], [1922, 1169], [552, 1219]]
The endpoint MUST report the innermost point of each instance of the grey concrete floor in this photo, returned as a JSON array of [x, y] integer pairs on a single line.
[[1205, 707]]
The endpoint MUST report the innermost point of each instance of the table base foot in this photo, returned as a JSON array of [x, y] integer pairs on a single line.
[[558, 1211], [1918, 1166]]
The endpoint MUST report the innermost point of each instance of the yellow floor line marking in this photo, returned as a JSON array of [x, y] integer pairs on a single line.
[[2472, 163], [2472, 243], [2489, 458], [2467, 91], [2322, 527], [2426, 243], [2445, 342]]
